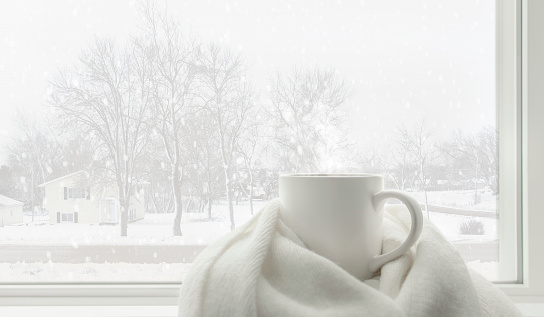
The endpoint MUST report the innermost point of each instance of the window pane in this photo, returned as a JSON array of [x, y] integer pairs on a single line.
[[77, 193], [67, 217], [110, 128]]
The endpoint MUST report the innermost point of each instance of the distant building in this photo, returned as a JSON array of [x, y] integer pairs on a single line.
[[11, 211], [72, 199]]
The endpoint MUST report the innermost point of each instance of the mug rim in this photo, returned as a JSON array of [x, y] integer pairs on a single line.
[[329, 175]]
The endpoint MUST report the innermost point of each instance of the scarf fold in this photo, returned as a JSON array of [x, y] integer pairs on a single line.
[[263, 269]]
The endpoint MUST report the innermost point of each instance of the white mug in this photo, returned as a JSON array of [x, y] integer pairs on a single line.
[[339, 216]]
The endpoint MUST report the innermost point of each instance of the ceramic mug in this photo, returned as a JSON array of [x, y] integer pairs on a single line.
[[339, 216]]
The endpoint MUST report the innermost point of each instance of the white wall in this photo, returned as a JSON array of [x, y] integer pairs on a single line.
[[11, 215]]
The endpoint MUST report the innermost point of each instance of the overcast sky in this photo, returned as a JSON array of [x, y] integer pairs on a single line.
[[406, 59]]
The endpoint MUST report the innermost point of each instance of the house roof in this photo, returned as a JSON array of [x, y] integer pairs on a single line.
[[87, 175], [63, 177], [6, 201]]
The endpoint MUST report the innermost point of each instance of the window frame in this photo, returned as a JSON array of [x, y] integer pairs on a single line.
[[509, 122], [530, 287], [514, 102]]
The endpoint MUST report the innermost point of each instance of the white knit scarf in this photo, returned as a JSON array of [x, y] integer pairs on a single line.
[[263, 269]]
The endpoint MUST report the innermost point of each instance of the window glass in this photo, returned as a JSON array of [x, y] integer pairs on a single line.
[[67, 217], [180, 118], [76, 193]]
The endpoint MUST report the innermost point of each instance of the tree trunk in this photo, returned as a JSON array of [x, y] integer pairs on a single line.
[[32, 192], [424, 186], [251, 191], [209, 208], [176, 187], [154, 201], [251, 199], [124, 216], [403, 181], [427, 205], [124, 204], [229, 199], [201, 206], [476, 201]]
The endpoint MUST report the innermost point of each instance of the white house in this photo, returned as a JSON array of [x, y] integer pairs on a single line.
[[11, 211], [72, 199]]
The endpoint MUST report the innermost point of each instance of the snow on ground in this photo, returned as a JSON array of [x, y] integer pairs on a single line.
[[449, 225], [92, 272], [489, 270], [463, 199], [155, 229]]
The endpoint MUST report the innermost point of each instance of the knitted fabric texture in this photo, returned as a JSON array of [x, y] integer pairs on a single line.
[[263, 269]]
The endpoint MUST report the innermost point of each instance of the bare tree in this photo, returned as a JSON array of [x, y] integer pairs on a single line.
[[401, 163], [225, 96], [175, 59], [476, 155], [309, 110], [159, 198], [159, 195], [109, 98], [32, 156], [251, 148], [417, 142], [76, 152], [8, 184], [205, 169], [488, 145]]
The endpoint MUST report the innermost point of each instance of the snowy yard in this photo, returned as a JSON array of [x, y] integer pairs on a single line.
[[22, 272], [155, 230], [460, 199]]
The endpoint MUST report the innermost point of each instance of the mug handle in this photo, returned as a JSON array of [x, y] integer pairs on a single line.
[[378, 200]]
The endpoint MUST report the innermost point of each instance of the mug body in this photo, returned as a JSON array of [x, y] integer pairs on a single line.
[[334, 215]]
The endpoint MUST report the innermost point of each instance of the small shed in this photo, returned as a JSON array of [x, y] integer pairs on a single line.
[[11, 211]]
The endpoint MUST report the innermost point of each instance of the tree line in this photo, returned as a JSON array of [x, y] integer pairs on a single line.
[[181, 114]]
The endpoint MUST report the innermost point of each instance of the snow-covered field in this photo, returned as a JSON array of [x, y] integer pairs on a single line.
[[92, 272], [463, 199], [489, 270], [155, 229], [449, 225]]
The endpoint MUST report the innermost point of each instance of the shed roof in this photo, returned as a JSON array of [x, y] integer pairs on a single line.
[[6, 201]]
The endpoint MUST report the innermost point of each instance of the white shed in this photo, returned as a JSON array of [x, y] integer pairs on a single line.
[[11, 211]]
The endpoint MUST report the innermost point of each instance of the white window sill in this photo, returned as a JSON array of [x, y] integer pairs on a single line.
[[527, 309], [531, 309]]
